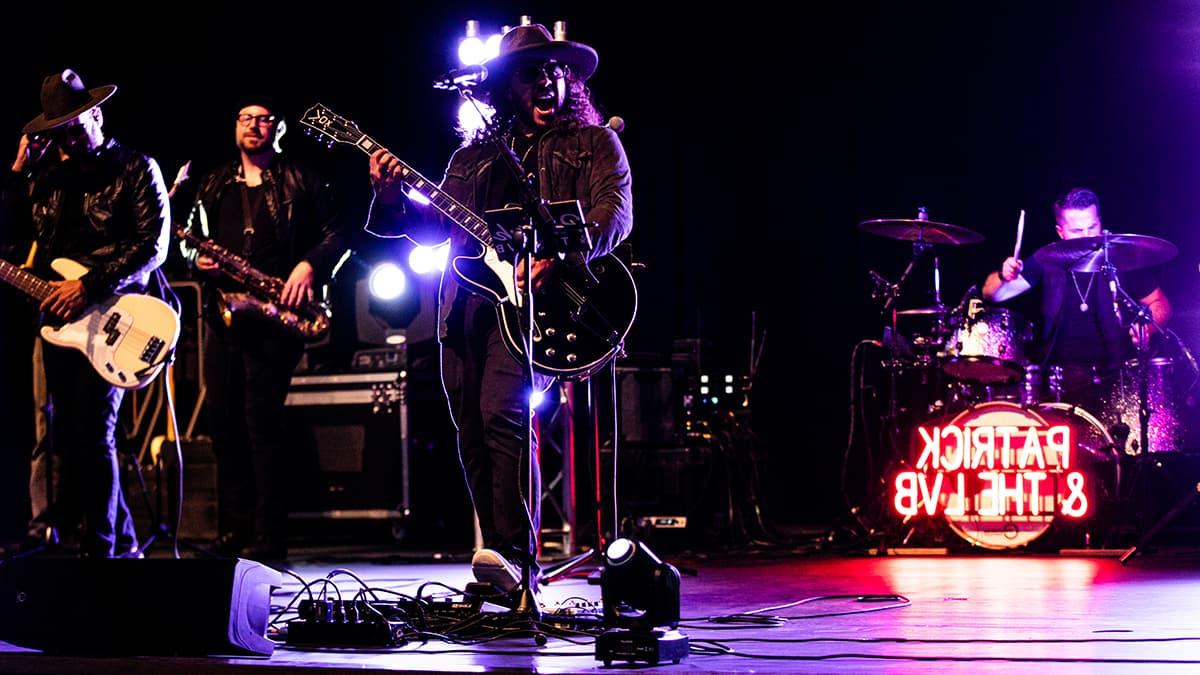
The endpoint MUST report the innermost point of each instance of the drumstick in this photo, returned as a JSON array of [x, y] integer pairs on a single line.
[[1020, 235]]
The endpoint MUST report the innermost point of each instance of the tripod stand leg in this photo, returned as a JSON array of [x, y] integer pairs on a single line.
[[1171, 515], [569, 565]]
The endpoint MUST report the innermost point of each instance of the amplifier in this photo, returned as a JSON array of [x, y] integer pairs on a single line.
[[349, 436]]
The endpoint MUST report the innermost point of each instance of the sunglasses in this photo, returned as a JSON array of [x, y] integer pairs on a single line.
[[66, 131], [532, 72]]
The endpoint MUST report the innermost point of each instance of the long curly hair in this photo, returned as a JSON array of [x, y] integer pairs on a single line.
[[578, 110]]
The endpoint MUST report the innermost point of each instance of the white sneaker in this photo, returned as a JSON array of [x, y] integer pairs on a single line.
[[492, 568]]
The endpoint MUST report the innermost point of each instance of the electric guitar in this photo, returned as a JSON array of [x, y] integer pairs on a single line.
[[127, 338], [579, 324]]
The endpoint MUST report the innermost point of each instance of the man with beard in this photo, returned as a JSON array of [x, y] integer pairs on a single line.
[[536, 86], [88, 198], [279, 216]]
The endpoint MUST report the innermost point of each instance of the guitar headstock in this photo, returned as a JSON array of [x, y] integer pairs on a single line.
[[329, 126]]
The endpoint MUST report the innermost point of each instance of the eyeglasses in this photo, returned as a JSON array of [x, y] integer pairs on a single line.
[[246, 119], [551, 70]]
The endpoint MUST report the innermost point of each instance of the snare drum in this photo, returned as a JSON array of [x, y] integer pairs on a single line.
[[987, 345]]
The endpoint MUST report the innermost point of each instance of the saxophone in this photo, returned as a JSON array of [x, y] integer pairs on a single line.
[[309, 321]]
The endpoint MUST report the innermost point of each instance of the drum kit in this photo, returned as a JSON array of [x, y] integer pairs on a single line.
[[974, 361]]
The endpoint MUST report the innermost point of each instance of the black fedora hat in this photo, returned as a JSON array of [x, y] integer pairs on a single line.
[[534, 41], [64, 98]]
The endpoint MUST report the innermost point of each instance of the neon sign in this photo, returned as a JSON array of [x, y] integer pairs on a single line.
[[999, 473]]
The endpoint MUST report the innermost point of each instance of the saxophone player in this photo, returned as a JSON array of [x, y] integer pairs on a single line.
[[279, 216]]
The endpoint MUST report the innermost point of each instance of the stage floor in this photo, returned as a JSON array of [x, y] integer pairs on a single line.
[[985, 613]]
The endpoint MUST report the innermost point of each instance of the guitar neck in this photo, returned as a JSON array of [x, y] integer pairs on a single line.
[[23, 280], [444, 203]]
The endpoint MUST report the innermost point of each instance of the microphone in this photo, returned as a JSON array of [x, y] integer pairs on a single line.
[[966, 298], [616, 123], [467, 75], [883, 287]]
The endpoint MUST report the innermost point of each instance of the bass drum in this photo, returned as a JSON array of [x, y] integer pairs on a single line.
[[1094, 456]]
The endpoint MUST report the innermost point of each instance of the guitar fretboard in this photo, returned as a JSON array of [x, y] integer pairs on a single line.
[[23, 280], [447, 205]]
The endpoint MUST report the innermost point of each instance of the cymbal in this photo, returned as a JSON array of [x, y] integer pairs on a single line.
[[1125, 252], [928, 231], [931, 310]]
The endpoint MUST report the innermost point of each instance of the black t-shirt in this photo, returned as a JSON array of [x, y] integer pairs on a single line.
[[1085, 329]]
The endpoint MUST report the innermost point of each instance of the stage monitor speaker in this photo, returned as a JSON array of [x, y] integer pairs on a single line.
[[137, 607]]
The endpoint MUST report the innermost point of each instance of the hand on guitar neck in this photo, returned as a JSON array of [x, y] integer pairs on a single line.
[[385, 177]]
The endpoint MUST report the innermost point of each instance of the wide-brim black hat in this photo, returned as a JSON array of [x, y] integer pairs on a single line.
[[534, 41], [64, 98]]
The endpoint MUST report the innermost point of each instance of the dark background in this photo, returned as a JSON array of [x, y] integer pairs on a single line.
[[756, 146]]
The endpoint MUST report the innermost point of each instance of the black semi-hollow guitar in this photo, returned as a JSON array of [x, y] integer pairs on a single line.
[[579, 324]]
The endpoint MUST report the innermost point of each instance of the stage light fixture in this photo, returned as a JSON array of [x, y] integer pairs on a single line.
[[640, 593], [429, 259], [492, 46], [639, 589], [387, 281], [472, 50]]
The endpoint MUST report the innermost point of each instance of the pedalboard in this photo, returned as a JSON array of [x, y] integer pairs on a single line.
[[362, 623]]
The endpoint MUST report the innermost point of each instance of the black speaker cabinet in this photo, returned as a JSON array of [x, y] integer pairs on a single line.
[[137, 607], [348, 438]]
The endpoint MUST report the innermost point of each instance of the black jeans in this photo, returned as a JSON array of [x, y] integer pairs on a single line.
[[83, 422], [489, 395], [248, 368]]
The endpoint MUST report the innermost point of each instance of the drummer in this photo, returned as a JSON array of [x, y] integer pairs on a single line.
[[1079, 328]]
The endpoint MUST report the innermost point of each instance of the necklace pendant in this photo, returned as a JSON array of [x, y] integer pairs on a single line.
[[1083, 307]]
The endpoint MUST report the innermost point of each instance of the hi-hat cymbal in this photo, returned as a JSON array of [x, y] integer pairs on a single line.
[[931, 310], [915, 229], [1125, 252]]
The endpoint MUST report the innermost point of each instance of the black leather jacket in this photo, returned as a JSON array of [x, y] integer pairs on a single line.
[[298, 201], [122, 235]]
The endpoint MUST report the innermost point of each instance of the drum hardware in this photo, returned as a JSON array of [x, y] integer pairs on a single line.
[[967, 343], [924, 234], [912, 354]]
